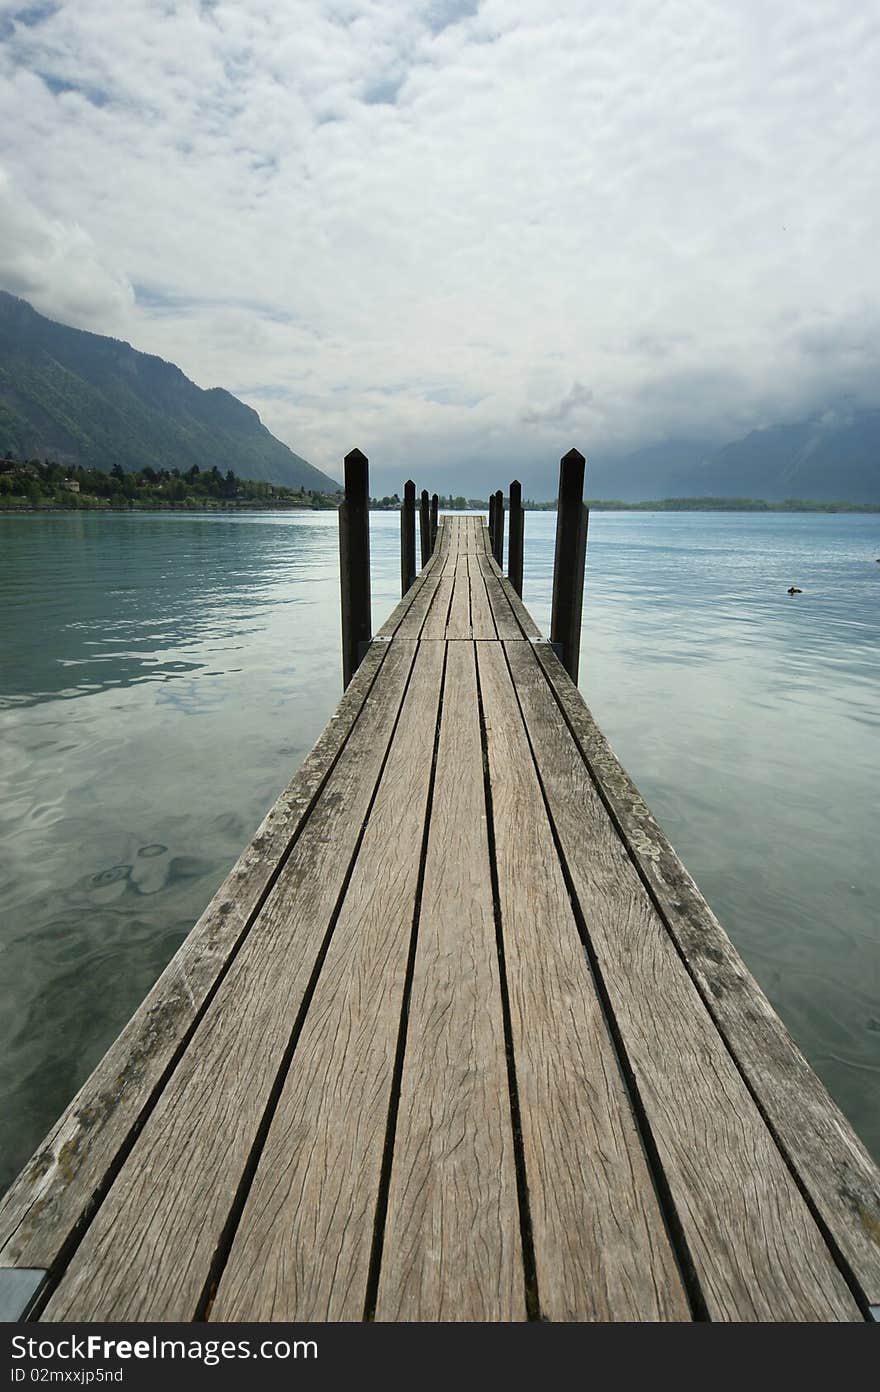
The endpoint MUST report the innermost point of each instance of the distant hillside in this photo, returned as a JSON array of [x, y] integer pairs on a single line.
[[84, 399], [832, 457], [645, 473]]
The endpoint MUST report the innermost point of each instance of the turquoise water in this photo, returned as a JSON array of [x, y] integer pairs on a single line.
[[162, 675]]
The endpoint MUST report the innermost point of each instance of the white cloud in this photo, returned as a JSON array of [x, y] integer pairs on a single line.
[[57, 267], [423, 228]]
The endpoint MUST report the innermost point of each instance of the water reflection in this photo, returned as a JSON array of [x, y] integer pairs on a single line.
[[134, 598], [161, 677]]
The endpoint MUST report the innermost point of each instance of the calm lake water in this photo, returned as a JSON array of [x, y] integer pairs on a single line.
[[162, 675]]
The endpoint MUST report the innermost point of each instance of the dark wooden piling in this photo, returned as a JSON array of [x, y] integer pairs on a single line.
[[572, 519], [724, 1182], [492, 523], [408, 537], [515, 543], [354, 563], [498, 546], [435, 516], [425, 527]]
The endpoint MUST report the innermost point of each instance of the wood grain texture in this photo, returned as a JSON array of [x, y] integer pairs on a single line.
[[149, 1250], [821, 1147], [57, 1190], [408, 617], [435, 621], [184, 1100], [302, 1250], [601, 1249], [472, 534], [458, 625], [755, 1249], [452, 1242], [482, 623], [506, 622], [527, 625]]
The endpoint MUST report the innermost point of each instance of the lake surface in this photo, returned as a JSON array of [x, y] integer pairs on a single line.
[[162, 675]]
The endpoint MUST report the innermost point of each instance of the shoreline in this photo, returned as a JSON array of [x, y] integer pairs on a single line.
[[803, 508]]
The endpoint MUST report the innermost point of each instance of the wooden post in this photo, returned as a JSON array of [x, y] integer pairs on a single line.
[[492, 523], [354, 563], [408, 537], [425, 527], [515, 543], [499, 528], [435, 520], [572, 518]]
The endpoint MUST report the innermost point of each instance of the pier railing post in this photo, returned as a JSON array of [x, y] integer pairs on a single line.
[[408, 537], [354, 563], [492, 523], [435, 520], [425, 527], [572, 518], [515, 542], [498, 548]]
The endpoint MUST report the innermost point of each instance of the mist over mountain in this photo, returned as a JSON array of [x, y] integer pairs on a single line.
[[638, 475], [85, 399], [834, 455]]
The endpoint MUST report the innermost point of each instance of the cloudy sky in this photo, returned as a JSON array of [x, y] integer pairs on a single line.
[[462, 234]]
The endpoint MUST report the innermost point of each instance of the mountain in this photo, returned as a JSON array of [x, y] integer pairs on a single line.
[[834, 455], [84, 399], [640, 474]]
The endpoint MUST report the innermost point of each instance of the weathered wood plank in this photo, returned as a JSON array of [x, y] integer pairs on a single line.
[[601, 1248], [458, 624], [506, 623], [528, 627], [435, 622], [428, 577], [204, 1061], [424, 592], [55, 1194], [754, 1247], [831, 1163], [482, 622], [149, 1250], [452, 1243], [302, 1250]]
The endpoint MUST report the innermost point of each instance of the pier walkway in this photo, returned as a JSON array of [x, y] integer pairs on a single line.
[[457, 1039]]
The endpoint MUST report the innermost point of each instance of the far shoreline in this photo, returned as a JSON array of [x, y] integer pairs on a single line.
[[676, 505]]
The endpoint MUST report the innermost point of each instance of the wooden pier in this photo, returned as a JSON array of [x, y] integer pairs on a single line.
[[457, 1039]]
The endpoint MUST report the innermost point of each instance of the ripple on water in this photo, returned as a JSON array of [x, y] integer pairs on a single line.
[[167, 673]]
